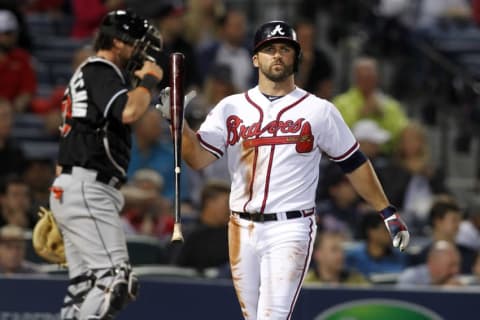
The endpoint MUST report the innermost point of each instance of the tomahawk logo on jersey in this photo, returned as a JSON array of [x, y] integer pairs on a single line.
[[296, 128]]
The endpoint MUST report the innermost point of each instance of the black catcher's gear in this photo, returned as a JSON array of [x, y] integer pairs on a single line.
[[130, 28]]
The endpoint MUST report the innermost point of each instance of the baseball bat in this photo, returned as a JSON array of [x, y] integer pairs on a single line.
[[176, 111]]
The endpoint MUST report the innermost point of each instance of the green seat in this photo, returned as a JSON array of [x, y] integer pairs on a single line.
[[145, 250]]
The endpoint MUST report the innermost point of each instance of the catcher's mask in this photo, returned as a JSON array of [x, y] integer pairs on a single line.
[[130, 28], [277, 31]]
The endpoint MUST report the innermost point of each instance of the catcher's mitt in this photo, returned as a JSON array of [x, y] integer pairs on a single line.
[[47, 239]]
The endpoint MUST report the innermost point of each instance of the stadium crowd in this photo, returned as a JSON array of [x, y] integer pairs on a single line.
[[389, 91]]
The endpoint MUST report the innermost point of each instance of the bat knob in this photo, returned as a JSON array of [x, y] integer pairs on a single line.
[[177, 235]]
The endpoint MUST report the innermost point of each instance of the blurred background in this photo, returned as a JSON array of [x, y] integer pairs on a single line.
[[404, 74]]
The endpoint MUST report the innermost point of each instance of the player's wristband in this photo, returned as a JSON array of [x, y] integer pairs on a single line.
[[388, 212], [149, 82]]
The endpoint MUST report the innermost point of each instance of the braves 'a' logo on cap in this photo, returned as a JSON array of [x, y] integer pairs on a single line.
[[277, 30]]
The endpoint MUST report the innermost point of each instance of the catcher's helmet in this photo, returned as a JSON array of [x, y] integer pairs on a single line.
[[124, 25], [276, 31], [130, 28]]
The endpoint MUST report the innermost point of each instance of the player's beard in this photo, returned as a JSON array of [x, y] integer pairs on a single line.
[[277, 75]]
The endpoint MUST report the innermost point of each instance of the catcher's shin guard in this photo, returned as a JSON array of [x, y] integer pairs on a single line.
[[76, 293], [113, 290]]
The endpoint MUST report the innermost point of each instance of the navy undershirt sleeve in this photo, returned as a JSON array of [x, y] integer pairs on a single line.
[[353, 162]]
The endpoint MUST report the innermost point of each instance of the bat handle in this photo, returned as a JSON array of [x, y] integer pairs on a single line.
[[177, 235]]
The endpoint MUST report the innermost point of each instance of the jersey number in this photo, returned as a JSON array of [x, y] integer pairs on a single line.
[[74, 104]]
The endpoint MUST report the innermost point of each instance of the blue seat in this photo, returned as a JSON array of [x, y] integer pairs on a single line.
[[61, 73]]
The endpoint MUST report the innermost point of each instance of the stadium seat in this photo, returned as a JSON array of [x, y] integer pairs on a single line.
[[165, 271], [145, 250]]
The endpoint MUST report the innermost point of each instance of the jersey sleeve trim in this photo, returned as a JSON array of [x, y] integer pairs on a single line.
[[110, 103], [216, 152], [346, 154]]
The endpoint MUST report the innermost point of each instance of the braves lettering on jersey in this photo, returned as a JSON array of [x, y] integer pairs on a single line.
[[275, 147]]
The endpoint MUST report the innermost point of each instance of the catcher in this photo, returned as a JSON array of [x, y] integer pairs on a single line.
[[107, 92]]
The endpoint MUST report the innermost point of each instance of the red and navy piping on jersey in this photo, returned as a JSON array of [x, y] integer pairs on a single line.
[[305, 268], [351, 160], [346, 154], [215, 151], [255, 155]]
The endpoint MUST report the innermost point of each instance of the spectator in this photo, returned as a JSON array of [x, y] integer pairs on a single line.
[[476, 272], [50, 108], [411, 181], [18, 81], [329, 262], [88, 15], [151, 150], [371, 138], [146, 211], [201, 20], [376, 255], [52, 7], [476, 11], [169, 19], [444, 217], [16, 207], [12, 159], [469, 230], [24, 38], [230, 50], [413, 155], [341, 208], [315, 72], [441, 268], [206, 245], [12, 251], [39, 175], [364, 99], [52, 104], [217, 86], [433, 12]]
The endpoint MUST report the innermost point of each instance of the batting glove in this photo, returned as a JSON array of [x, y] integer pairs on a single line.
[[397, 228], [164, 102]]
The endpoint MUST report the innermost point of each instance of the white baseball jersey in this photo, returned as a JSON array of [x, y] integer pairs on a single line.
[[274, 147]]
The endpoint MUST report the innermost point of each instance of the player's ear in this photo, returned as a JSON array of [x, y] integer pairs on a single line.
[[255, 60], [117, 43]]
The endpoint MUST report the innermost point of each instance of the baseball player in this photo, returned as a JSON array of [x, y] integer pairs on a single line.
[[98, 107], [274, 136]]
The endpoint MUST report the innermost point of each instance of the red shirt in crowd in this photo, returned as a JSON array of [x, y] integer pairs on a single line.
[[88, 16], [17, 75], [476, 11]]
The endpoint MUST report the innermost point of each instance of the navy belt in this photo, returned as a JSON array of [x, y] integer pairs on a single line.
[[262, 217], [103, 178]]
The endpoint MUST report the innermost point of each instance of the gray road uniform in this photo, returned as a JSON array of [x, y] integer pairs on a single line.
[[85, 199]]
